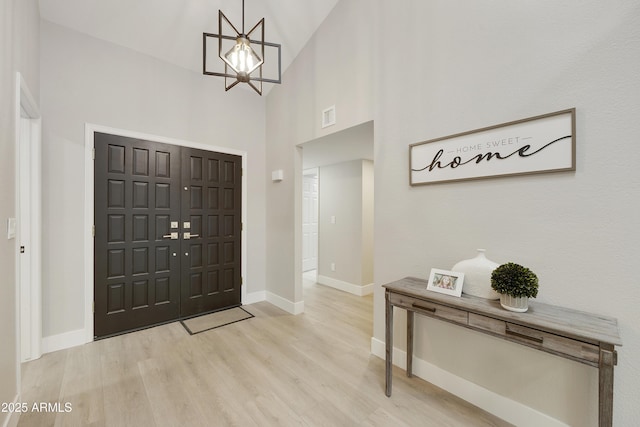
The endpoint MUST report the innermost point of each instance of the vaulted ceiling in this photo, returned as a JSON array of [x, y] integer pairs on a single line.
[[171, 30]]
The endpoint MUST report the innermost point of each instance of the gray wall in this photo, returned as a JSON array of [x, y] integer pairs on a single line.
[[19, 51], [342, 195], [85, 80], [479, 64]]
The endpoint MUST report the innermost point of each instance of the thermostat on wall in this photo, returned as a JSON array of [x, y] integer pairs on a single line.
[[277, 175]]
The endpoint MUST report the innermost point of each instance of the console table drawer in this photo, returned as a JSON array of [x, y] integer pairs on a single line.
[[554, 343], [429, 308], [487, 323], [535, 338]]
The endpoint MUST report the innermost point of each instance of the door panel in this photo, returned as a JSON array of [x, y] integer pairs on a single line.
[[137, 195], [145, 192], [211, 213]]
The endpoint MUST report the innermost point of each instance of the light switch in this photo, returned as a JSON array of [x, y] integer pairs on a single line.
[[11, 228], [333, 219]]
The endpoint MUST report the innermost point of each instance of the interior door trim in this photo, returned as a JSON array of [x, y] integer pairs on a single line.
[[90, 130], [29, 318]]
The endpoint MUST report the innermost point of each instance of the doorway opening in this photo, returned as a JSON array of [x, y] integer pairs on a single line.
[[337, 218], [28, 223]]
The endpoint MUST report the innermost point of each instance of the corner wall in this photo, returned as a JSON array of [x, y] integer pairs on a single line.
[[19, 52], [442, 67], [321, 76]]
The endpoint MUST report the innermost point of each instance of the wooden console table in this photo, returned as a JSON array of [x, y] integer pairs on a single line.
[[575, 335]]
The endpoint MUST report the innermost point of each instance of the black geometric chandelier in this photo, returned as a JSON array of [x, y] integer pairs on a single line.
[[241, 62]]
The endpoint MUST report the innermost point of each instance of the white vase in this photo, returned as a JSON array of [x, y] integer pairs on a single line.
[[518, 304], [477, 276]]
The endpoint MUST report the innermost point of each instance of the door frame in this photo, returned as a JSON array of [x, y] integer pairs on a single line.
[[90, 130], [28, 130]]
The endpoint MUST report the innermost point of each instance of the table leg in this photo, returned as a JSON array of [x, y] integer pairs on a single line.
[[388, 342], [410, 317], [605, 390]]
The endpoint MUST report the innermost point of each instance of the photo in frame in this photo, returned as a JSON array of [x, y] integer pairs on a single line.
[[446, 282]]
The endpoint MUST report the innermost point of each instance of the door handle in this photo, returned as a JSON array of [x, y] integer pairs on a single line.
[[422, 307], [173, 236], [188, 235]]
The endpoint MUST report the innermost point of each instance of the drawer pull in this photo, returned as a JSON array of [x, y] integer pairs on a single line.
[[526, 337], [421, 307]]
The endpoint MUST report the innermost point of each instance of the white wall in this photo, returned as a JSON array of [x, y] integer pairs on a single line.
[[480, 63], [321, 76], [85, 80], [342, 227], [19, 50], [442, 67]]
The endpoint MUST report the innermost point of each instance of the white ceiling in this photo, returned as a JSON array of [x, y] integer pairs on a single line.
[[171, 30]]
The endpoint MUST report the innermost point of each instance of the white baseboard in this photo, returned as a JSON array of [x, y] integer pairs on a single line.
[[65, 340], [12, 418], [509, 410], [360, 290], [79, 337], [254, 297], [285, 304]]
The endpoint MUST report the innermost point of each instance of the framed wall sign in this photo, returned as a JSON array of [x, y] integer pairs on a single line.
[[538, 144]]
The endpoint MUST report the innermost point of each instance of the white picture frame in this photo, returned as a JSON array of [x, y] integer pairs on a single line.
[[445, 282]]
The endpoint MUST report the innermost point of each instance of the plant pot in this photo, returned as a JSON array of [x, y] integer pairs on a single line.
[[519, 304]]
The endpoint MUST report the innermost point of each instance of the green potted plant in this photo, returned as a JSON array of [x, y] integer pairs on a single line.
[[515, 284]]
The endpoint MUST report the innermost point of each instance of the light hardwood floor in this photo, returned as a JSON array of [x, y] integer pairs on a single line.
[[275, 369]]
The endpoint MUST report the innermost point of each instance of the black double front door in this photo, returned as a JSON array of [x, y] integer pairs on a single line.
[[167, 233]]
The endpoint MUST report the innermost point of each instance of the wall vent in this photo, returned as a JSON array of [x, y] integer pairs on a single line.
[[329, 116]]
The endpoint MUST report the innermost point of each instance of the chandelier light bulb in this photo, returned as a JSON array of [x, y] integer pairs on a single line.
[[242, 58]]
